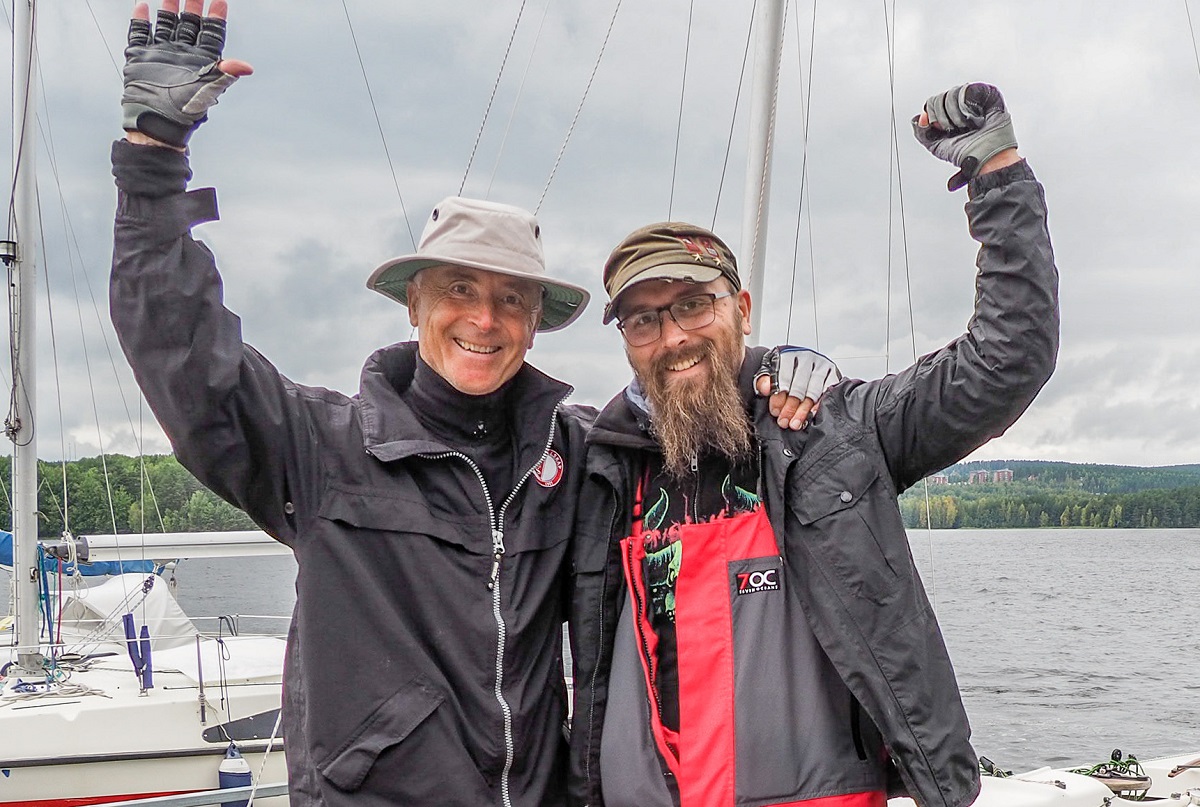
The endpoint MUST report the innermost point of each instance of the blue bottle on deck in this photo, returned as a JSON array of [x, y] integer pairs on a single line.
[[234, 772]]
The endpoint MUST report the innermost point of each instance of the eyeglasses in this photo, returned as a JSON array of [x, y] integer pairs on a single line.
[[643, 327]]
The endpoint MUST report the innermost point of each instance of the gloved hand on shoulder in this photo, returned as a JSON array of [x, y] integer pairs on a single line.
[[795, 378]]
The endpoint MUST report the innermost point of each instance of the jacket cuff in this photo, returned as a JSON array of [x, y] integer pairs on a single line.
[[172, 216], [995, 179], [149, 170]]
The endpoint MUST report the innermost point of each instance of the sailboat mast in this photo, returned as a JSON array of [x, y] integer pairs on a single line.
[[23, 290], [768, 25]]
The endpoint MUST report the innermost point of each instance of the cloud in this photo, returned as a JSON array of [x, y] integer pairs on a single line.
[[311, 176]]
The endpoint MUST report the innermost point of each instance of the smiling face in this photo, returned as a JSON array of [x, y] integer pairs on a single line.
[[474, 326], [690, 377], [686, 357]]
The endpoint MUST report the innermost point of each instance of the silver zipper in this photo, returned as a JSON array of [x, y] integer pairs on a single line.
[[496, 521], [587, 758]]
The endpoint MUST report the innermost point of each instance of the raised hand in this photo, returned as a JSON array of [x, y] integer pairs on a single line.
[[967, 126], [174, 71]]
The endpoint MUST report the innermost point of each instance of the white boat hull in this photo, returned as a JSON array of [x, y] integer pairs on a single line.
[[113, 742], [1047, 787]]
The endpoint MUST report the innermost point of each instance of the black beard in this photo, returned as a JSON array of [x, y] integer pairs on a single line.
[[700, 414]]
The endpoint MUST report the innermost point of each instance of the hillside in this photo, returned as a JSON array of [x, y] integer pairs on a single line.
[[124, 494], [1057, 494]]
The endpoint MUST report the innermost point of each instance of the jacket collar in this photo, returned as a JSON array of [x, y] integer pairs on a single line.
[[392, 430]]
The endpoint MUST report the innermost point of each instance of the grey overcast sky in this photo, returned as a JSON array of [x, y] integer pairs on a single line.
[[311, 167]]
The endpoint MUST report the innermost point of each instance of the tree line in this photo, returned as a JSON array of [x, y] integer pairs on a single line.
[[117, 493], [1087, 477], [121, 494], [1176, 507]]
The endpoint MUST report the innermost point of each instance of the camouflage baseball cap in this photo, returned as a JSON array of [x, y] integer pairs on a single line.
[[669, 250]]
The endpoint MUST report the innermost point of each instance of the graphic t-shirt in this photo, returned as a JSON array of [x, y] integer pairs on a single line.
[[718, 489]]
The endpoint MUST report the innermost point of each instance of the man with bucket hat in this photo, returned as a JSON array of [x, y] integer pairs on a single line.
[[747, 624], [429, 514]]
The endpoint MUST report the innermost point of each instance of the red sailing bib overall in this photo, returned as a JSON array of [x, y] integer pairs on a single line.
[[710, 573]]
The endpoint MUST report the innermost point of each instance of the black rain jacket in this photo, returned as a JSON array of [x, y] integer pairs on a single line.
[[410, 678], [830, 493]]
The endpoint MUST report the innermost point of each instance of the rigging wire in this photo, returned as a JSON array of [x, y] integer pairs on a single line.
[[894, 167], [75, 252], [87, 365], [1192, 31], [100, 31], [520, 93], [12, 423], [737, 98], [687, 49], [595, 67], [492, 97], [48, 139], [64, 507], [379, 125], [806, 111]]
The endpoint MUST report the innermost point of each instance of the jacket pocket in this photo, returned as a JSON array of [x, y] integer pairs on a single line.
[[835, 488], [382, 510], [387, 726], [851, 522]]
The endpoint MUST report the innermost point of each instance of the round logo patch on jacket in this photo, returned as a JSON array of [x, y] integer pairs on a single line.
[[549, 470]]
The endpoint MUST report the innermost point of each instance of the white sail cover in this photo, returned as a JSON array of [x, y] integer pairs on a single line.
[[91, 617]]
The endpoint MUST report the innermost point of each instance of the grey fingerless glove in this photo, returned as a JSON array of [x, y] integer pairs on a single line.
[[972, 126], [171, 75], [799, 371]]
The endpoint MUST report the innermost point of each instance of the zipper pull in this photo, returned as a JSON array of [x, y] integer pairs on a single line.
[[695, 463], [498, 549]]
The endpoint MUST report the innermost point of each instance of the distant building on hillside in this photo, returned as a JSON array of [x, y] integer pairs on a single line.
[[1003, 475], [979, 478], [939, 479]]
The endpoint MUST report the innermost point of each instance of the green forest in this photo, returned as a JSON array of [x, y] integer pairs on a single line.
[[119, 494], [102, 495], [1057, 494]]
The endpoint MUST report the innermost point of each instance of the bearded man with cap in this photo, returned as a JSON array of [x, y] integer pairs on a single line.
[[747, 624], [429, 514]]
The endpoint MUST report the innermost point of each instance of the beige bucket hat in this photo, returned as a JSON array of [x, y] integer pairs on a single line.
[[493, 238]]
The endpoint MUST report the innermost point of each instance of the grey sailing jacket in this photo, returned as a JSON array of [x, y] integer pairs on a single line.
[[830, 493], [409, 678]]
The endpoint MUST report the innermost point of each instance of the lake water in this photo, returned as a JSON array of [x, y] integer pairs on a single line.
[[1070, 643], [1067, 643]]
